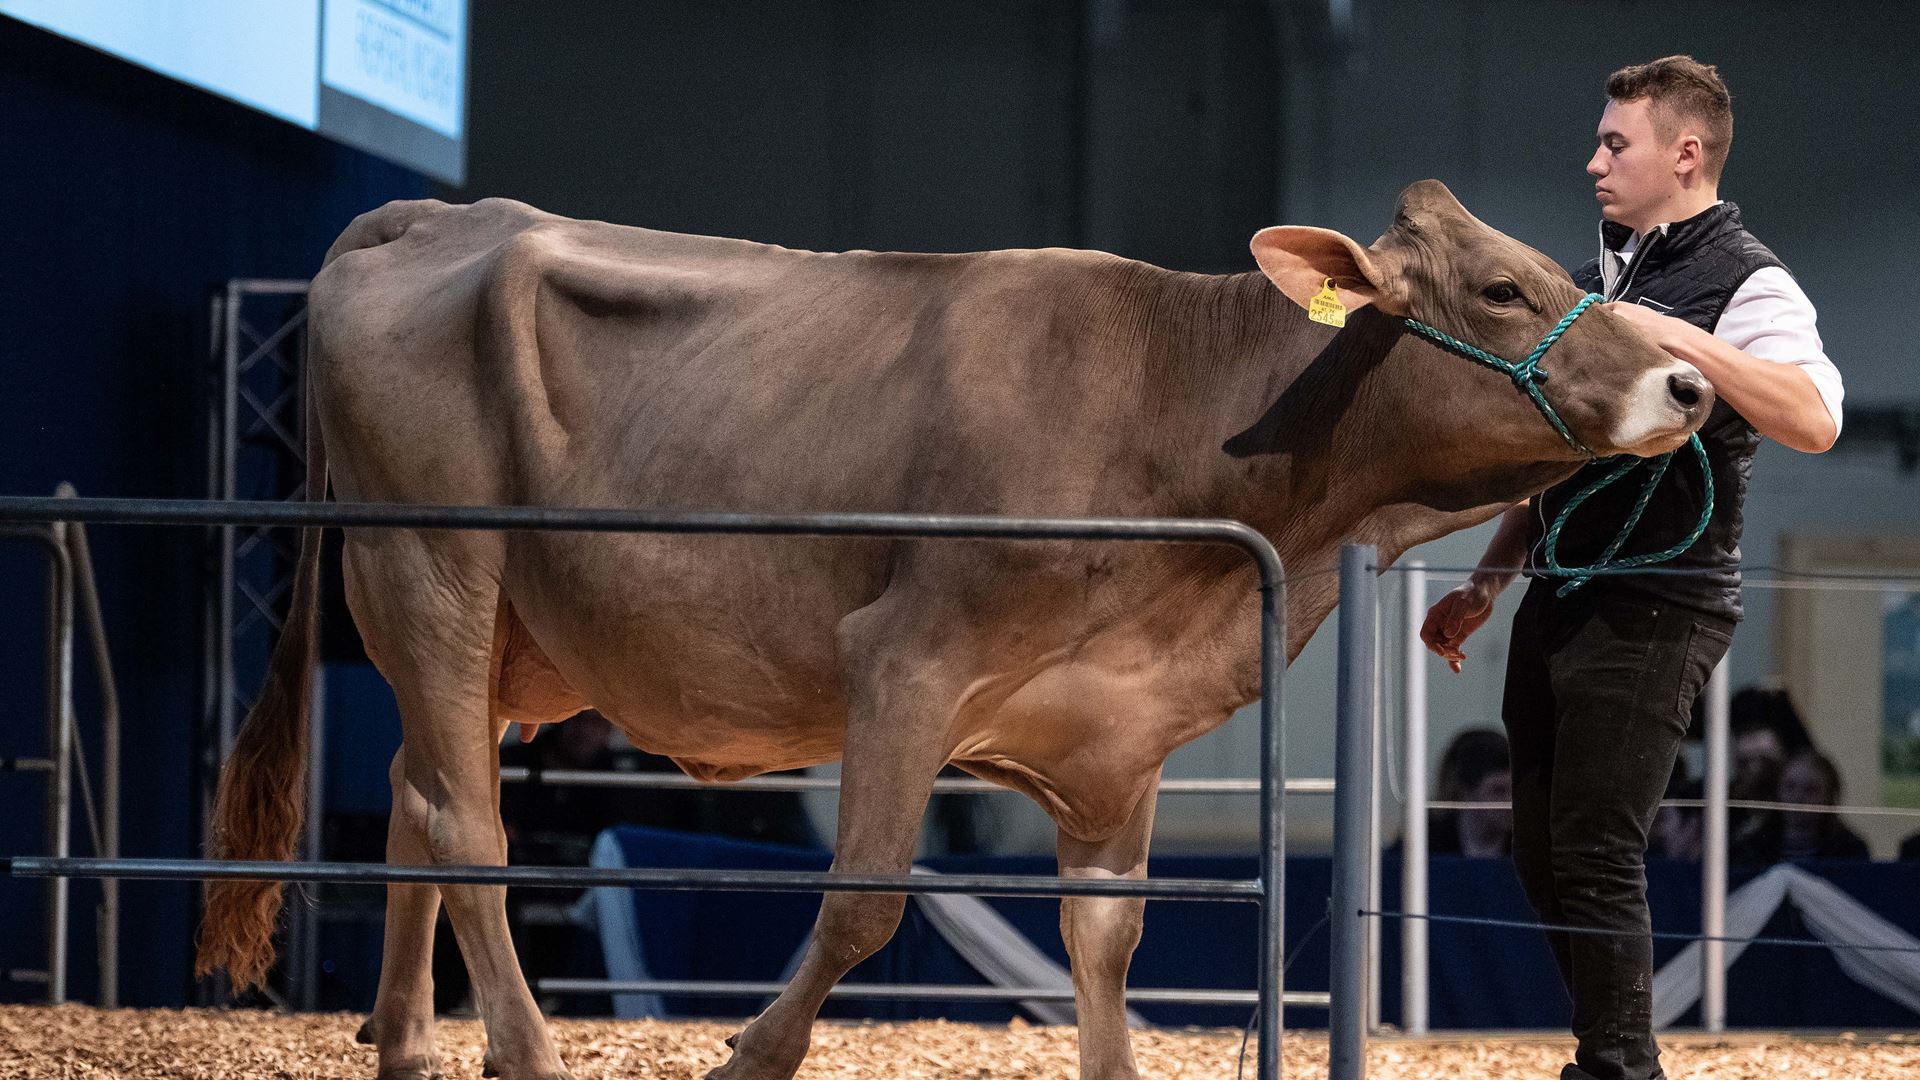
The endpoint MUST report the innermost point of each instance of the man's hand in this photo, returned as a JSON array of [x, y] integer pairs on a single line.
[[1663, 330], [1455, 617], [1779, 400]]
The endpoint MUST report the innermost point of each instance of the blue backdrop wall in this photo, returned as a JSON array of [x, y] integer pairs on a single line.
[[125, 198]]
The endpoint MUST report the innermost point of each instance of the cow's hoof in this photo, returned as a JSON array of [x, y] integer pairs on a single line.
[[745, 1067], [735, 1070], [365, 1035], [733, 1041], [409, 1072], [488, 1068]]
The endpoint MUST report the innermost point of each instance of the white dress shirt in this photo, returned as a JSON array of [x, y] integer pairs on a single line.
[[1769, 318]]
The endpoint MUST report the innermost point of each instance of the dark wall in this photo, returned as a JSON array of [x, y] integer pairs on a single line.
[[1144, 128], [128, 196]]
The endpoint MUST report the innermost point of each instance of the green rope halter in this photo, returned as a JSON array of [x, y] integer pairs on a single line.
[[1527, 375]]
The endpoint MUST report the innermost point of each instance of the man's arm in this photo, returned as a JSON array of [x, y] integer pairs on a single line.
[[1770, 370], [1507, 551], [1779, 400], [1464, 609]]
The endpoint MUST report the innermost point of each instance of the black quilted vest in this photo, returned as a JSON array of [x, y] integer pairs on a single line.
[[1689, 270]]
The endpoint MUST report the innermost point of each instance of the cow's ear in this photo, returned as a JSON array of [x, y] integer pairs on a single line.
[[1300, 260]]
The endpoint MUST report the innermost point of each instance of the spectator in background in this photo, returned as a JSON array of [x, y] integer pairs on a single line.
[[1766, 730], [1475, 768], [1679, 832], [1808, 778]]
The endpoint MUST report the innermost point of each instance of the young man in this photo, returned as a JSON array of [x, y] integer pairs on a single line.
[[1600, 681]]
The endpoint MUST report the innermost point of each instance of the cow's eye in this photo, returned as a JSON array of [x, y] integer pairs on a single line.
[[1501, 292]]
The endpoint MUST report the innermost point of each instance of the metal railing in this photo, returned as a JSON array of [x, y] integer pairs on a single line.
[[1267, 889], [923, 991], [945, 785], [72, 595]]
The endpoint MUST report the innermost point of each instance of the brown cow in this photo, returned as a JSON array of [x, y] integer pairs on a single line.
[[493, 354]]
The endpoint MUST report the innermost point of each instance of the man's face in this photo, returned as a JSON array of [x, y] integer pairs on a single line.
[[1632, 169]]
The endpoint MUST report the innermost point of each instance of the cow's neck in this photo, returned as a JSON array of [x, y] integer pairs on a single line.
[[1319, 439]]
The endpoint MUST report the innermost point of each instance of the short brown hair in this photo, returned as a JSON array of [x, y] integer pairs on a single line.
[[1684, 92]]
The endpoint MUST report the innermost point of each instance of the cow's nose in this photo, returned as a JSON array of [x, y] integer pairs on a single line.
[[1687, 390]]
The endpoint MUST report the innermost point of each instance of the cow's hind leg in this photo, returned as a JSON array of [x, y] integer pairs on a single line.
[[428, 618], [1101, 933], [896, 741], [402, 1021]]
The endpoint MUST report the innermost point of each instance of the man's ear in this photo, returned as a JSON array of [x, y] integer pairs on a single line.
[[1300, 259], [1689, 155]]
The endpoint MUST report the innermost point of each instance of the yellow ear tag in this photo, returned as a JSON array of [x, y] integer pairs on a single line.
[[1325, 307]]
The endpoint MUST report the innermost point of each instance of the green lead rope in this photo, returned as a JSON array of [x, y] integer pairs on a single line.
[[1527, 375], [1580, 575]]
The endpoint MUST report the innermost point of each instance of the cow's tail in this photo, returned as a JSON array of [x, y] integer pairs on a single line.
[[262, 793]]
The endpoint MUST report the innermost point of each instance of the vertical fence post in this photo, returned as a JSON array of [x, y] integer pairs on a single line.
[[86, 599], [1273, 825], [60, 750], [1352, 803], [1413, 838], [1375, 817], [1713, 862]]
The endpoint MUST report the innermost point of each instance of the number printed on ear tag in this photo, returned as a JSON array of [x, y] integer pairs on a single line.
[[1325, 307]]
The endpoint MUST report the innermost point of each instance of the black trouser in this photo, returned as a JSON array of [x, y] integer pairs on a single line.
[[1599, 689]]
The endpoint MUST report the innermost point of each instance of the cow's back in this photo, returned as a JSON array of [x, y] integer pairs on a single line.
[[511, 355]]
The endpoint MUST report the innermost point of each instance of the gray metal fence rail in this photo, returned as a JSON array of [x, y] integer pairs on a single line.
[[1267, 889], [58, 764], [946, 785], [73, 601]]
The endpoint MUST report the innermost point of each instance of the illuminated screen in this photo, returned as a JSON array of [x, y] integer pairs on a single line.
[[387, 76]]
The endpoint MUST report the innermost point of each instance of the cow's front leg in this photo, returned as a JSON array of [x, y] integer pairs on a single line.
[[1101, 933], [897, 727]]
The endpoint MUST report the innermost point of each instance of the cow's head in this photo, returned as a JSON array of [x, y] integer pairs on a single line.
[[1615, 390]]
